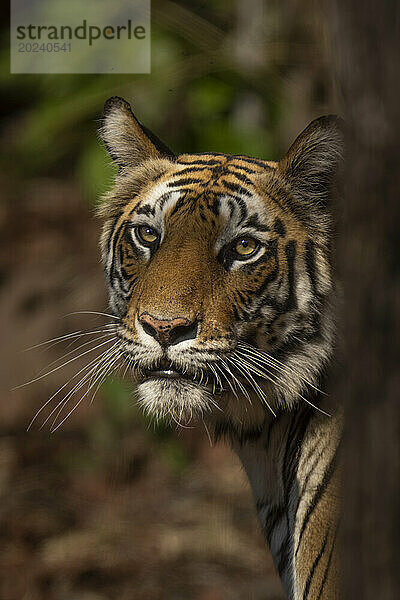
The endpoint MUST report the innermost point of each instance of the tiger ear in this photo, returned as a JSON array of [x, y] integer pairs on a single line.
[[314, 161], [128, 142]]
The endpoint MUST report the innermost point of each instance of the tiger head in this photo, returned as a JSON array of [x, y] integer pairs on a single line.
[[219, 271]]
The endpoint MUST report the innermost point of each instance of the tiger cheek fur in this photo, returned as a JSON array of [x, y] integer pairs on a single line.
[[219, 272]]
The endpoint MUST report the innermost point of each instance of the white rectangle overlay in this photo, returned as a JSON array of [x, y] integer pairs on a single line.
[[80, 36]]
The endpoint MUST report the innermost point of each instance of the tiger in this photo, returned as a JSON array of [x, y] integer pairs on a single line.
[[220, 274]]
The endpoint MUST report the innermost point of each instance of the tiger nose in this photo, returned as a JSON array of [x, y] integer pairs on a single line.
[[169, 331]]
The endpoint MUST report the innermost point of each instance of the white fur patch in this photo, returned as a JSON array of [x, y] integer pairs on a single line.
[[176, 400]]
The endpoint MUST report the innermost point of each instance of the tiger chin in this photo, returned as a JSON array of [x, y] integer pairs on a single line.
[[219, 271]]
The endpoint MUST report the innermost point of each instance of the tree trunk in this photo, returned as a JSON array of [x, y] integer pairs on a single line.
[[365, 51]]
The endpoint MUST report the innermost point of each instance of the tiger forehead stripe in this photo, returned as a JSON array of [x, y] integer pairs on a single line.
[[204, 174], [224, 179], [215, 159]]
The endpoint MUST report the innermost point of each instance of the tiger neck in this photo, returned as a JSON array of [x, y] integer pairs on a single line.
[[291, 463]]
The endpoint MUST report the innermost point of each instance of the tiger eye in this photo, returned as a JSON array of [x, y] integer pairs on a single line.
[[146, 234], [246, 246]]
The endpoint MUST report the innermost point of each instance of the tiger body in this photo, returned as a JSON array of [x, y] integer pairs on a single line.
[[219, 272]]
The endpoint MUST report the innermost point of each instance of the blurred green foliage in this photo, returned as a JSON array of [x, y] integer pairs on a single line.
[[193, 99]]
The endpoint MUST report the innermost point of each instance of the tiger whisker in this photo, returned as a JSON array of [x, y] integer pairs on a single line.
[[282, 385], [54, 428], [261, 372], [60, 389], [201, 376], [92, 312], [253, 383], [63, 365], [259, 369], [178, 422], [278, 365], [237, 381], [207, 432], [129, 364], [214, 404], [216, 376], [73, 334], [90, 368], [324, 412], [104, 374], [263, 357], [226, 379], [83, 345]]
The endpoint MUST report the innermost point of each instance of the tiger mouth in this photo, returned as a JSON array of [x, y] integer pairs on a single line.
[[168, 372], [164, 374]]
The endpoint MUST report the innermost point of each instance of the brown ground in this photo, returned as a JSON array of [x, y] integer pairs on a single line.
[[107, 507]]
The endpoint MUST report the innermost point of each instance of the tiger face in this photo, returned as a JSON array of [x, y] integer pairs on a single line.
[[219, 272]]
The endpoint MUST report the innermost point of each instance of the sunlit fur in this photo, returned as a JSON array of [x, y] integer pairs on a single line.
[[265, 333]]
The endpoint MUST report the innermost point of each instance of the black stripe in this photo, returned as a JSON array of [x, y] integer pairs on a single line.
[[192, 169], [321, 489], [253, 161], [213, 203], [164, 198], [209, 162], [279, 227], [117, 237], [241, 177], [314, 566], [232, 169], [310, 471], [310, 264], [328, 564], [110, 237], [290, 252], [134, 249], [235, 187], [158, 177], [233, 203], [178, 205], [243, 209], [294, 344], [256, 224], [145, 209], [236, 314], [272, 251], [185, 181], [242, 297], [219, 154], [290, 302], [294, 440]]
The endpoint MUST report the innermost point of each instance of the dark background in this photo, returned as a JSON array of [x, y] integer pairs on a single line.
[[112, 506]]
